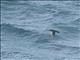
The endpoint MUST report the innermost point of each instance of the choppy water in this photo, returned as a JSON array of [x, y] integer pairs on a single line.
[[25, 25]]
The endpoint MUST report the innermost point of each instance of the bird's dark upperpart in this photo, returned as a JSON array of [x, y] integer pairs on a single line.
[[54, 31]]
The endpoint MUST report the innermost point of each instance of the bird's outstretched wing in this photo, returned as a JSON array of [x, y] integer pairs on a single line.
[[54, 30]]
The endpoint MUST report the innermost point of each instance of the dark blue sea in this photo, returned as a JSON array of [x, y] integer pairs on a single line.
[[25, 30]]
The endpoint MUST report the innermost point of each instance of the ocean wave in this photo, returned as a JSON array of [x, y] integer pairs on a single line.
[[68, 26], [18, 31], [60, 46], [64, 13], [77, 20]]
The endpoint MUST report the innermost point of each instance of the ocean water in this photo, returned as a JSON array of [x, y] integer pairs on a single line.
[[25, 25]]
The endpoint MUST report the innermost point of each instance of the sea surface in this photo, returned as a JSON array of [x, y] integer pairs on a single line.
[[25, 30]]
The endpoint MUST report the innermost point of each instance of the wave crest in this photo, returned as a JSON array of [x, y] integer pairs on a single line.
[[12, 29]]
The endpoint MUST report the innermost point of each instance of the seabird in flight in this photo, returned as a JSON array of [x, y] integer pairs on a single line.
[[52, 32]]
